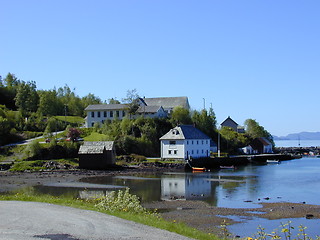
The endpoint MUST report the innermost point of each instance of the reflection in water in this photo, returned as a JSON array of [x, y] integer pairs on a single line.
[[185, 187]]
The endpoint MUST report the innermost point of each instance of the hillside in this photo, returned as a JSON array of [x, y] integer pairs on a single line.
[[301, 136]]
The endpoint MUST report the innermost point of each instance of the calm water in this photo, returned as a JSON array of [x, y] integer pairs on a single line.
[[290, 181], [295, 143]]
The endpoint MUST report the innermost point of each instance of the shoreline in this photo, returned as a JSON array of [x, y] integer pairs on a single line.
[[196, 214]]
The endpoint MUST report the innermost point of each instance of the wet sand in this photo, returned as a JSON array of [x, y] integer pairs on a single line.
[[196, 214]]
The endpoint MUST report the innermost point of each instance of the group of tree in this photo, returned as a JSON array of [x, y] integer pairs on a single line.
[[24, 108], [24, 97]]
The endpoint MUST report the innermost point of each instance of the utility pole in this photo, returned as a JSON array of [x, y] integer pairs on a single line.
[[204, 104]]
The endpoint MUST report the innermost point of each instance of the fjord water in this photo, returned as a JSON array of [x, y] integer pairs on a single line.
[[296, 181]]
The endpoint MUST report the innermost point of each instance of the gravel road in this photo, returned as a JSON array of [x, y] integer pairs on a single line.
[[33, 220]]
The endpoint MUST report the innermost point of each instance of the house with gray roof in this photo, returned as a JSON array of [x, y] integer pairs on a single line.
[[229, 122], [184, 142], [148, 107], [97, 155]]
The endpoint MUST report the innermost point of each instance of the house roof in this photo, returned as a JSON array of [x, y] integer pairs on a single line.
[[229, 119], [167, 102], [96, 147], [106, 107], [259, 142], [148, 109], [184, 132]]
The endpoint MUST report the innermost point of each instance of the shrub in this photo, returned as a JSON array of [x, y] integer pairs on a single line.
[[122, 201], [33, 149]]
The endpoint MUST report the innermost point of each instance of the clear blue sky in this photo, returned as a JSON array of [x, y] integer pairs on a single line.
[[249, 59]]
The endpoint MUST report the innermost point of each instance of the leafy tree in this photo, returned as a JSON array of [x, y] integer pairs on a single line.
[[8, 90], [90, 99], [48, 103], [205, 122], [113, 101], [27, 98], [51, 127], [231, 141], [254, 130], [180, 115], [73, 133], [5, 126], [132, 101]]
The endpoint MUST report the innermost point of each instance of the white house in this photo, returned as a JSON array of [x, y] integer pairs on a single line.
[[258, 146], [183, 142], [148, 107]]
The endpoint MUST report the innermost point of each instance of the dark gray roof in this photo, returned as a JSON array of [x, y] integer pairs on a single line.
[[167, 102], [184, 132], [229, 119], [102, 107], [96, 147], [148, 109]]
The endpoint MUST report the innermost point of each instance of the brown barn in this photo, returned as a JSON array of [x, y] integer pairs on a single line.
[[97, 155]]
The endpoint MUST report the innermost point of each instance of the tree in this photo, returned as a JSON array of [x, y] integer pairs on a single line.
[[73, 134], [48, 103], [113, 101], [254, 130], [180, 115], [205, 122], [132, 101], [90, 99], [27, 98]]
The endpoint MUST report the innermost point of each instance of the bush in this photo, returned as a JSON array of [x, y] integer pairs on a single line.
[[122, 201], [33, 149]]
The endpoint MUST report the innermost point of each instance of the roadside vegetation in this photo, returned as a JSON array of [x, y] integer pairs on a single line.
[[120, 204]]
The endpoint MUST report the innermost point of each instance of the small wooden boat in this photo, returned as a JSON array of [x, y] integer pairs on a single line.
[[227, 167], [198, 169], [273, 161]]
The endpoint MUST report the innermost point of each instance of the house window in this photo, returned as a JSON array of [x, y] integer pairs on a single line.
[[192, 152], [197, 151], [187, 142], [117, 113], [192, 142], [172, 142], [197, 142], [105, 114], [123, 113], [202, 142], [175, 152], [169, 152], [92, 114], [111, 114], [99, 114], [92, 124]]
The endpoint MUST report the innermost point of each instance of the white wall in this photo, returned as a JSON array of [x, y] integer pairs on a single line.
[[175, 151], [194, 148]]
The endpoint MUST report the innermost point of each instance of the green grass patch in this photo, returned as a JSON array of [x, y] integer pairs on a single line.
[[38, 165], [94, 136], [71, 119], [150, 219]]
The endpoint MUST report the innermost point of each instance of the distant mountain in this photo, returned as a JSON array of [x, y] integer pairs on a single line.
[[301, 136]]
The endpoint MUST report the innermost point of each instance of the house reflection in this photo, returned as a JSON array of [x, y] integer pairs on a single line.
[[185, 187]]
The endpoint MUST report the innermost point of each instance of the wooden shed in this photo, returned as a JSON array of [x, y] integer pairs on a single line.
[[97, 155]]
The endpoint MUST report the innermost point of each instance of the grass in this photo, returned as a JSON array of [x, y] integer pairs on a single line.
[[71, 119], [150, 220], [38, 165], [94, 136]]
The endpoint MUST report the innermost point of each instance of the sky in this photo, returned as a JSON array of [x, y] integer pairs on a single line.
[[246, 59]]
